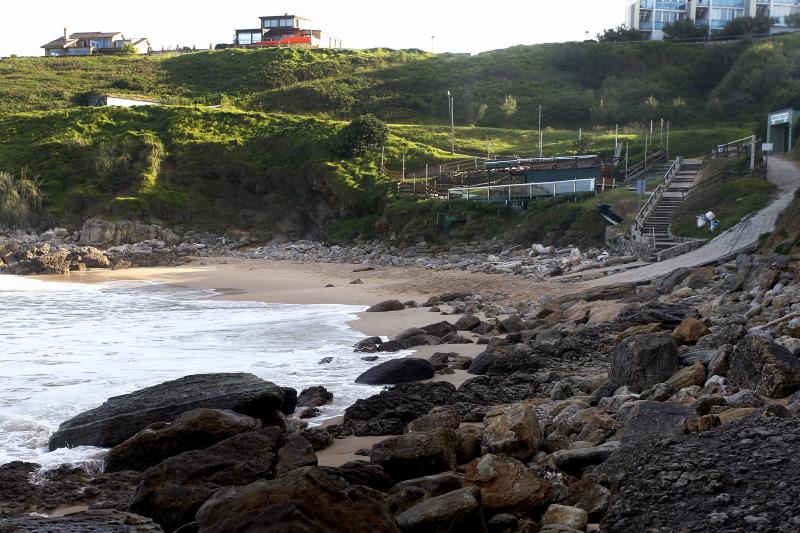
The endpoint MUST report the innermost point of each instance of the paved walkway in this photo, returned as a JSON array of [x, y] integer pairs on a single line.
[[785, 174]]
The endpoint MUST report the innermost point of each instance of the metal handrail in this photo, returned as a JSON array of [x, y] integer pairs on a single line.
[[643, 166], [725, 149], [656, 195]]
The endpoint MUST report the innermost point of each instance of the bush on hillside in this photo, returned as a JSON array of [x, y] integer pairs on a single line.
[[362, 135], [685, 29], [19, 199], [620, 34], [759, 25]]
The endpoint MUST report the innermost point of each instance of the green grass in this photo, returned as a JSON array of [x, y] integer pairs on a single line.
[[578, 84], [786, 237], [730, 200]]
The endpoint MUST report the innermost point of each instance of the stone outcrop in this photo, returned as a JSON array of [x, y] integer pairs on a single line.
[[396, 371], [512, 430], [642, 361], [506, 485], [416, 454], [121, 417], [760, 364]]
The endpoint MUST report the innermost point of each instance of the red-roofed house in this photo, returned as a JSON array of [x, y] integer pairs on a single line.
[[285, 30]]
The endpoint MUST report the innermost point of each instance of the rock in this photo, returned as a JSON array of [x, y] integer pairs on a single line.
[[444, 419], [690, 331], [574, 462], [388, 412], [173, 491], [307, 499], [121, 417], [701, 424], [506, 485], [389, 305], [317, 437], [744, 398], [644, 360], [669, 315], [357, 281], [326, 361], [363, 473], [396, 371], [764, 366], [566, 516], [482, 363], [512, 324], [459, 510], [589, 496], [720, 362], [468, 446], [369, 345], [440, 329], [512, 430], [314, 397], [434, 485], [410, 333], [467, 323], [689, 376], [649, 419], [104, 520], [732, 415], [416, 454], [193, 430]]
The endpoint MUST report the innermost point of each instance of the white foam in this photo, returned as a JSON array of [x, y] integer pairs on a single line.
[[68, 347]]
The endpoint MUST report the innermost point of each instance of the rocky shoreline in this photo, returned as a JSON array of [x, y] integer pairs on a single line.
[[680, 413], [125, 244]]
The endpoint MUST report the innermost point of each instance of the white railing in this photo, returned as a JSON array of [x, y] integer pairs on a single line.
[[656, 196], [523, 191]]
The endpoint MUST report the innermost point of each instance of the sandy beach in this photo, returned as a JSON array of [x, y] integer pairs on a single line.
[[307, 283]]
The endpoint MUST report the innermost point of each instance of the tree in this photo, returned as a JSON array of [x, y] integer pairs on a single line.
[[620, 34], [362, 135], [482, 109], [685, 29], [759, 25], [19, 198], [128, 50], [792, 20], [509, 106]]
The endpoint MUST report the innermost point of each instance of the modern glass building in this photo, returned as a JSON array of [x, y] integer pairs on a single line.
[[652, 15]]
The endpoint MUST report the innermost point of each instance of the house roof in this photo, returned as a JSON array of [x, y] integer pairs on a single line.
[[60, 43], [283, 17], [95, 35]]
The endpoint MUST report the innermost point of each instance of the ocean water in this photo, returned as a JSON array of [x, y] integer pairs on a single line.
[[67, 347]]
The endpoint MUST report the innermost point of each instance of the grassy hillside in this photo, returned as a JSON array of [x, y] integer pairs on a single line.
[[578, 84]]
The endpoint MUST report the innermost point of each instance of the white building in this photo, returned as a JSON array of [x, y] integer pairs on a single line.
[[88, 43], [651, 16]]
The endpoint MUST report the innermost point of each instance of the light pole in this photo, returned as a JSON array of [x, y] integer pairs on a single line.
[[540, 131], [432, 47], [451, 102]]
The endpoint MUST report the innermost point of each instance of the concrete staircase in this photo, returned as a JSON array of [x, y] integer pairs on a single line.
[[656, 225]]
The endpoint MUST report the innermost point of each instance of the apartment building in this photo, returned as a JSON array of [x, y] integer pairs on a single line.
[[651, 16]]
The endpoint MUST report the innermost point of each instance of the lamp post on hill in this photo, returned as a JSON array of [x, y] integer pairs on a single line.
[[451, 103]]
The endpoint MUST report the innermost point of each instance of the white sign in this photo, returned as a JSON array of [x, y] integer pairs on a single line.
[[779, 118], [767, 147]]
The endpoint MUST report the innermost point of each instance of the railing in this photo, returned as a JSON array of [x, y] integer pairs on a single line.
[[720, 176], [733, 148], [525, 191], [656, 196], [642, 167]]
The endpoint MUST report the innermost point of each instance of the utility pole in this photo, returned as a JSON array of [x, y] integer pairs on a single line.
[[753, 156], [651, 132], [667, 139], [404, 168], [451, 101], [541, 137], [627, 145], [616, 137], [661, 138], [432, 41], [383, 155]]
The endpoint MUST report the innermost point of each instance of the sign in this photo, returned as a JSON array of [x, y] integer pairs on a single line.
[[767, 147], [641, 187], [779, 118]]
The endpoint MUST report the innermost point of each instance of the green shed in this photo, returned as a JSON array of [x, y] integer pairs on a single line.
[[780, 129]]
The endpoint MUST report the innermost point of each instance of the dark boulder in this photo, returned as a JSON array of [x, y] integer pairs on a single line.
[[459, 510], [388, 412], [318, 438], [173, 491], [121, 417], [467, 323], [669, 315], [403, 370], [105, 521], [363, 473], [314, 397], [193, 430], [475, 396], [416, 454], [308, 499], [389, 305], [644, 360], [767, 368], [512, 324], [440, 329], [482, 363], [655, 419], [435, 485]]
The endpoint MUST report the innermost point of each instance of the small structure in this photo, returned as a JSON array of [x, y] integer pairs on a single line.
[[285, 30], [781, 129], [88, 43], [115, 101]]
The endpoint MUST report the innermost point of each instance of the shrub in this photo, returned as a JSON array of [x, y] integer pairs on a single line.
[[19, 199], [759, 25], [620, 34], [685, 29], [362, 135]]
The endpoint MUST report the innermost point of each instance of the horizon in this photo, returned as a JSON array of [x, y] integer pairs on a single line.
[[454, 28]]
